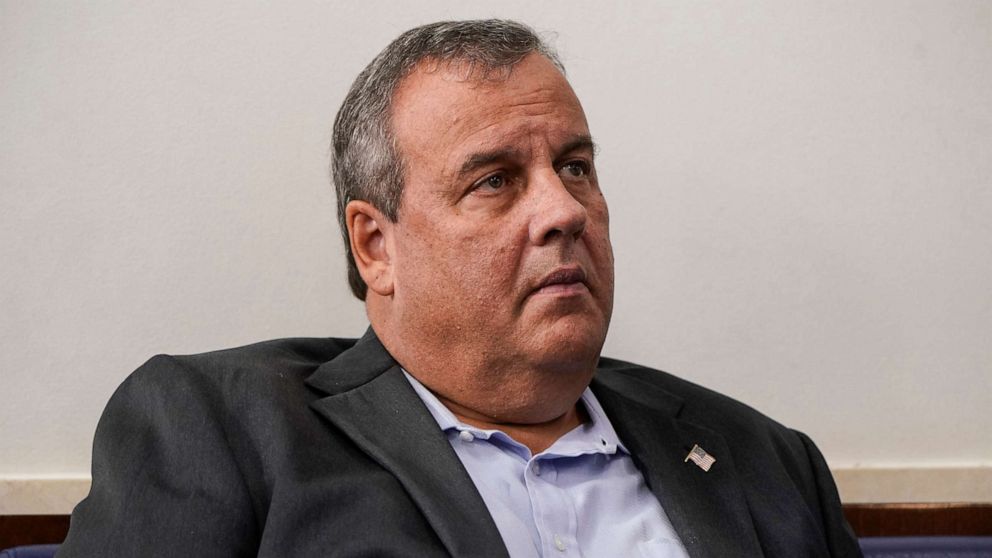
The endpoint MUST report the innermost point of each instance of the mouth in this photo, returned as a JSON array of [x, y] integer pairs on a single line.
[[564, 281]]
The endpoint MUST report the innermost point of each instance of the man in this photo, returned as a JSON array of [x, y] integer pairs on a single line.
[[475, 417]]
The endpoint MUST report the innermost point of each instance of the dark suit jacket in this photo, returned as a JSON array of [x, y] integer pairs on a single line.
[[320, 447]]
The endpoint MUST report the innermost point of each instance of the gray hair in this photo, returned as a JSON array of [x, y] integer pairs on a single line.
[[365, 161]]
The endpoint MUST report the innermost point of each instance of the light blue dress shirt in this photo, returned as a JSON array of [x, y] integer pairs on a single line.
[[582, 496]]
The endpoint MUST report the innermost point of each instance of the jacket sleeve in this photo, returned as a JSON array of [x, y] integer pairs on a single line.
[[840, 537], [165, 482]]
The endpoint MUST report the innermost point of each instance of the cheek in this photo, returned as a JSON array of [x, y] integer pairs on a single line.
[[598, 230], [492, 275], [465, 264], [488, 263], [602, 210]]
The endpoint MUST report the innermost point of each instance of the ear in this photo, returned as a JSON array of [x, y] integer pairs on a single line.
[[369, 233]]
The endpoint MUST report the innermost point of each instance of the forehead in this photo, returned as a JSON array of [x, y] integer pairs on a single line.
[[445, 110]]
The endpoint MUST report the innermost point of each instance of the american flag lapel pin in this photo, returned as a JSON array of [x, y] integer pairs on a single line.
[[699, 456]]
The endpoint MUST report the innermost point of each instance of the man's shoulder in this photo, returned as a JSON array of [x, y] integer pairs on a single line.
[[294, 351], [628, 373], [695, 403], [248, 368]]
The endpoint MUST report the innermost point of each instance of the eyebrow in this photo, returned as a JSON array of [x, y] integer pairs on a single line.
[[483, 158], [577, 143]]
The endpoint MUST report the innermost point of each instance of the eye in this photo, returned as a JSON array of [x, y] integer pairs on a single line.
[[490, 183], [573, 169]]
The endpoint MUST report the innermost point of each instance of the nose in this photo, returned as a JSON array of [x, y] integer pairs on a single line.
[[556, 211]]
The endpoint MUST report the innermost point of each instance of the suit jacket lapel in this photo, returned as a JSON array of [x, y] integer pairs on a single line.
[[707, 509], [373, 403]]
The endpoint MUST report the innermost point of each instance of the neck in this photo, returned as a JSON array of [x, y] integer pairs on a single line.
[[536, 436], [531, 396]]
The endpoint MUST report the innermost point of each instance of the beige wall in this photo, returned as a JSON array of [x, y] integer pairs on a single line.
[[801, 197]]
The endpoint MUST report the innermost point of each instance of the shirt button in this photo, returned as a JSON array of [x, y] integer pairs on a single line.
[[466, 436], [559, 544], [536, 468]]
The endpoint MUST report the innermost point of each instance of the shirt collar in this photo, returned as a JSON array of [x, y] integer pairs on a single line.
[[595, 436]]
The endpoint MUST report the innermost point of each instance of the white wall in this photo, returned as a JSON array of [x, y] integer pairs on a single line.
[[801, 197]]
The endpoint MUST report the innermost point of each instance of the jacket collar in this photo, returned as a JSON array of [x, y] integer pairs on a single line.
[[371, 401]]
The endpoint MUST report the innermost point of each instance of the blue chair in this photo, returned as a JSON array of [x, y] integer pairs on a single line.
[[927, 547], [30, 551]]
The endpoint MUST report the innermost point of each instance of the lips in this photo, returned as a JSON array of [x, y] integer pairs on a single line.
[[562, 279]]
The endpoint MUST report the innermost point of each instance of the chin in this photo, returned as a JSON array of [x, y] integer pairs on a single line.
[[569, 347]]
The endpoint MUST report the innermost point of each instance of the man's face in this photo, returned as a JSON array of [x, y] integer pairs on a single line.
[[501, 248]]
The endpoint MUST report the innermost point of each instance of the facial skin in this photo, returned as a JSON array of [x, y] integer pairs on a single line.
[[494, 287]]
